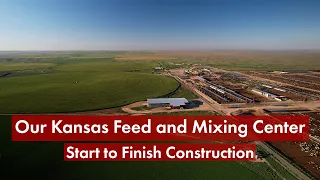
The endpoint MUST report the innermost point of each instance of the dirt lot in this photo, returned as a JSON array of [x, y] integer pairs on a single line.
[[251, 95], [316, 73], [233, 87], [301, 152], [305, 77], [177, 72], [304, 81], [292, 96], [293, 150], [236, 86], [314, 123], [244, 92]]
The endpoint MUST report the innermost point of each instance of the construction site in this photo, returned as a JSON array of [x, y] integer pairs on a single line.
[[253, 87], [264, 93]]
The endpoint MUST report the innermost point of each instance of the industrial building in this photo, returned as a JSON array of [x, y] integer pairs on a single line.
[[201, 79], [266, 86], [174, 103], [270, 95]]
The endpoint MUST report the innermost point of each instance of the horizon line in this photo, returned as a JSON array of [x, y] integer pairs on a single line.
[[149, 50]]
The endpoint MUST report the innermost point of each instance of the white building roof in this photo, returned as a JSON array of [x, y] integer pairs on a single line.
[[171, 101], [264, 92], [200, 78]]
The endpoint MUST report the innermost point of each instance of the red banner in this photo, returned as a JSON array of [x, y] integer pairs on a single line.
[[159, 152], [159, 128]]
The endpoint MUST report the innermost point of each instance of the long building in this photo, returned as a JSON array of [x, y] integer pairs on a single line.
[[174, 103], [270, 95]]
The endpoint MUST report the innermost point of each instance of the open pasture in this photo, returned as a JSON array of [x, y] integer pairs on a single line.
[[249, 60], [144, 57], [9, 66]]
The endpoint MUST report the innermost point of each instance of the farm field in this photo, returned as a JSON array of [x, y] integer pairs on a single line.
[[247, 60], [79, 86], [144, 57], [81, 81], [44, 160], [23, 66], [183, 92], [229, 60], [279, 168], [159, 90]]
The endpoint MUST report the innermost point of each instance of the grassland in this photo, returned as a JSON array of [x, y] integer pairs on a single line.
[[229, 60], [142, 108], [248, 60], [144, 57], [23, 66], [183, 92], [80, 81], [278, 167]]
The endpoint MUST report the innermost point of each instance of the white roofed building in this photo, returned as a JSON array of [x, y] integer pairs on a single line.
[[175, 103]]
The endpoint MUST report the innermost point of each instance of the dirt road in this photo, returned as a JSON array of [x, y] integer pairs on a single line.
[[284, 162], [226, 110]]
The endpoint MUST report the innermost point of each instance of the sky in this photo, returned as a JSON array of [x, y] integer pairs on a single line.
[[159, 24]]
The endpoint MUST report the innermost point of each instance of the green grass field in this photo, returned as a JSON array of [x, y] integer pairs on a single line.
[[14, 66], [44, 160], [79, 86], [50, 82], [183, 92], [279, 168]]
